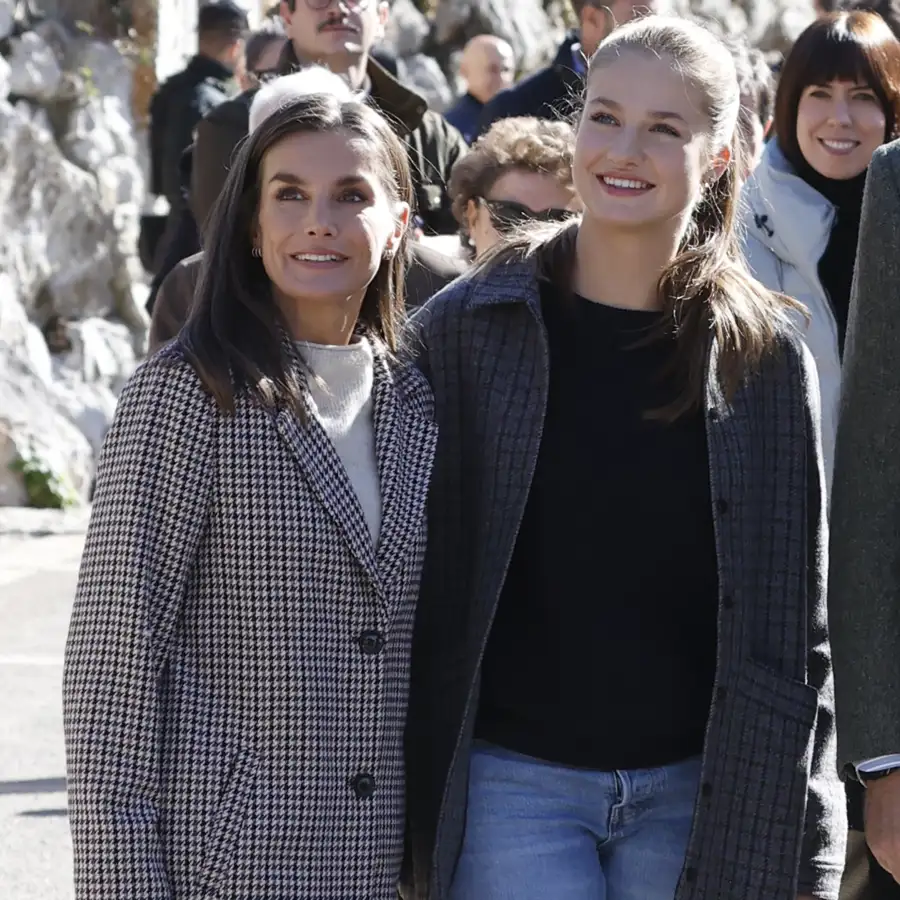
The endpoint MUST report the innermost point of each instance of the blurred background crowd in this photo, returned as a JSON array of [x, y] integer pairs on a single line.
[[100, 99]]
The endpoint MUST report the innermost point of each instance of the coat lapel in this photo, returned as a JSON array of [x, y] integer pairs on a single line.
[[325, 473], [405, 442]]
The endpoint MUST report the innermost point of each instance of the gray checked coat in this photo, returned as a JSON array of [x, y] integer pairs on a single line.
[[770, 818], [237, 670]]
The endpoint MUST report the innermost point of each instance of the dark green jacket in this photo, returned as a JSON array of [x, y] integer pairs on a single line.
[[434, 145], [176, 108]]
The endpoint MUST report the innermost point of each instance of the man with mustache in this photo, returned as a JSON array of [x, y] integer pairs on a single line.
[[340, 34]]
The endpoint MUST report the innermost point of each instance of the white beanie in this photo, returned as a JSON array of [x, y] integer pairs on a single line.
[[284, 90]]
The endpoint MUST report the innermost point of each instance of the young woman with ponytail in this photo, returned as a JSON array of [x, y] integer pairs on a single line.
[[621, 680]]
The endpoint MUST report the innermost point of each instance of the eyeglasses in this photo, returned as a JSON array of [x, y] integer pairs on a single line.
[[319, 5], [507, 215]]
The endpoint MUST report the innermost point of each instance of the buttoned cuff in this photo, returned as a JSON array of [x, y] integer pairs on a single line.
[[878, 763]]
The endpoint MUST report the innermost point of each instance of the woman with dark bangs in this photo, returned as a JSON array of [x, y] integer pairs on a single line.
[[838, 100]]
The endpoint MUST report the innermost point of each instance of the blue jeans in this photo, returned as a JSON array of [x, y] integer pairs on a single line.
[[536, 831]]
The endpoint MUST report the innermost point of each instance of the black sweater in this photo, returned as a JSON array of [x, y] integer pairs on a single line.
[[603, 651]]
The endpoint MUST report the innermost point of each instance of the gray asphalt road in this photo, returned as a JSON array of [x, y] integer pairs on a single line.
[[37, 583]]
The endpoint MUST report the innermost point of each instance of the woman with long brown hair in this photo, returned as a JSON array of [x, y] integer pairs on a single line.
[[621, 676], [236, 675]]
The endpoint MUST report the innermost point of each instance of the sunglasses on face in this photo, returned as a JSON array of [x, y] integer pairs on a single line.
[[319, 5], [507, 215]]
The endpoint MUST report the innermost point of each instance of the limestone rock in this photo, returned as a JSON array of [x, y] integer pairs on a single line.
[[424, 75], [89, 407], [33, 431], [57, 235], [34, 434], [102, 352], [105, 70], [7, 9], [407, 29], [100, 140], [88, 378], [34, 70], [524, 23], [20, 340], [5, 74]]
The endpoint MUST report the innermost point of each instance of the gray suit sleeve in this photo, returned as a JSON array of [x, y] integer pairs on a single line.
[[864, 589]]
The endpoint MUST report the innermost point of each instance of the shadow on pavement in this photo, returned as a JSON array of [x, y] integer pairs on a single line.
[[35, 786], [43, 813]]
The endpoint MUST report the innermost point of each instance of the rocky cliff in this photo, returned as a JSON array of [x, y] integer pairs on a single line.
[[72, 291]]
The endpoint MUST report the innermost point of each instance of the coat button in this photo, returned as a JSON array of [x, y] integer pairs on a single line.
[[363, 785], [714, 415], [722, 505], [706, 789], [728, 601], [371, 643], [690, 873]]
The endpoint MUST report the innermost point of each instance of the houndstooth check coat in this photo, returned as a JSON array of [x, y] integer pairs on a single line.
[[236, 675]]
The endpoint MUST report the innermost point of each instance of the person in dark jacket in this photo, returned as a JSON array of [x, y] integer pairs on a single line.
[[173, 292], [182, 238], [553, 92], [488, 66], [864, 579], [340, 36], [621, 681], [185, 98], [262, 53]]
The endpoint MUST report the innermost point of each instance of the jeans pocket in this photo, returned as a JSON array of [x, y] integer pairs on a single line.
[[225, 831]]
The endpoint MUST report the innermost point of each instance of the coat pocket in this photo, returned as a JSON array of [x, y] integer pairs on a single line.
[[768, 749], [227, 824]]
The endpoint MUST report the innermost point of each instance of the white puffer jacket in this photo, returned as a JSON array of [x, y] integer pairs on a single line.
[[786, 229]]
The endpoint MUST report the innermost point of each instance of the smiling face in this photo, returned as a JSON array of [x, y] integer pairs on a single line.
[[839, 126], [337, 34], [642, 148], [325, 221]]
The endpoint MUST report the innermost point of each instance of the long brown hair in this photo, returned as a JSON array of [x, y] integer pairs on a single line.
[[706, 290], [235, 336]]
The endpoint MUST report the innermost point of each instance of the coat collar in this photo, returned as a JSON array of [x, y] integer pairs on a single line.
[[519, 281], [784, 213], [207, 67], [569, 62], [403, 107], [513, 281], [405, 442]]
